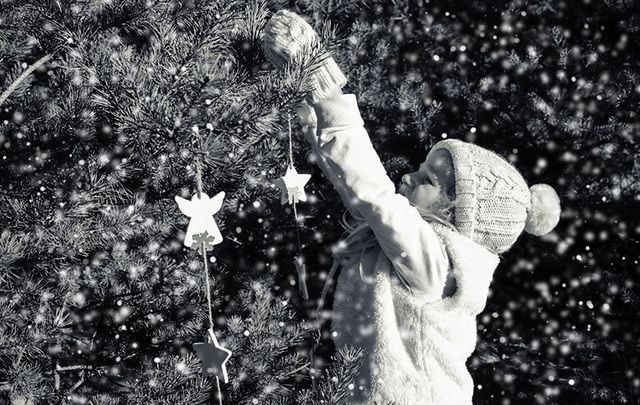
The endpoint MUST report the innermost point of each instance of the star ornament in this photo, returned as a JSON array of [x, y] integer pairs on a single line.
[[292, 185], [213, 357]]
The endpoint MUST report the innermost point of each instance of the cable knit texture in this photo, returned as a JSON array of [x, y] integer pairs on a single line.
[[288, 39], [493, 200]]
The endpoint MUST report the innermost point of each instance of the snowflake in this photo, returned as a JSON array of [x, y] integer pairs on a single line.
[[202, 239]]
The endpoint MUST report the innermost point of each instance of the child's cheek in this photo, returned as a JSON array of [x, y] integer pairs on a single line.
[[425, 195]]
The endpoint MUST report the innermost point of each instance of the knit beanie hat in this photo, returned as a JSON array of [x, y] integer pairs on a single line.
[[288, 39], [494, 204]]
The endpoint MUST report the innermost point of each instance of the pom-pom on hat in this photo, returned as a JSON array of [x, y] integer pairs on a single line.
[[493, 202]]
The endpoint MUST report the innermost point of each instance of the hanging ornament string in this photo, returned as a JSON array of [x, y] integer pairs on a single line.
[[290, 140], [202, 235], [295, 212], [198, 165], [299, 262], [206, 277], [204, 247], [292, 187]]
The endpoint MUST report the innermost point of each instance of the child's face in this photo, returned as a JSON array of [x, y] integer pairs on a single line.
[[433, 185]]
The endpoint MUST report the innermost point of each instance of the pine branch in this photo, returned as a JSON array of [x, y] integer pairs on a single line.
[[5, 94]]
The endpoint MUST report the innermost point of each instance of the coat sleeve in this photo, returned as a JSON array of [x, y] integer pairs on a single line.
[[307, 117], [409, 242]]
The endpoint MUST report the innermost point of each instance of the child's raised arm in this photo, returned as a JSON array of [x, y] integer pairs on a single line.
[[353, 166], [309, 123]]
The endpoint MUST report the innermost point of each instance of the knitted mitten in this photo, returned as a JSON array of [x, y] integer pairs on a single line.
[[286, 37]]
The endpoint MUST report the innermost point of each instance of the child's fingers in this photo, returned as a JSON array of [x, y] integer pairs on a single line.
[[307, 115]]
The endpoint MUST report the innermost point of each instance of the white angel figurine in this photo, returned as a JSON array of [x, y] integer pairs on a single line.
[[201, 211]]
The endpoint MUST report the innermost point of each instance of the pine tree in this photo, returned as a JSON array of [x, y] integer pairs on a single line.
[[100, 301]]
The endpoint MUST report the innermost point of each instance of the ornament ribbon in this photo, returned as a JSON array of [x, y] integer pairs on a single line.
[[203, 235], [292, 187]]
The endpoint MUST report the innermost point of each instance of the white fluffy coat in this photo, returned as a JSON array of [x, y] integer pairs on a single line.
[[416, 342]]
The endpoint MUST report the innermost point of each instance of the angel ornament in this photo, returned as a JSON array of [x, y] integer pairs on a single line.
[[202, 229]]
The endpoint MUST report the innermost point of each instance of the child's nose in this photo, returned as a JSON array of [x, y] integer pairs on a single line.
[[407, 179]]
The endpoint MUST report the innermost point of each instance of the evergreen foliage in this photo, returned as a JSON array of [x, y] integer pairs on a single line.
[[99, 300]]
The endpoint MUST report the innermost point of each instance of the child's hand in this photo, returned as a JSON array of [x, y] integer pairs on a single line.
[[287, 37], [287, 40], [307, 115]]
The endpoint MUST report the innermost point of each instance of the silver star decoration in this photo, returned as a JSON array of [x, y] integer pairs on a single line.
[[213, 357], [292, 185]]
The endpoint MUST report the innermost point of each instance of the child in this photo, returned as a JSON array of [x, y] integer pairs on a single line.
[[417, 265]]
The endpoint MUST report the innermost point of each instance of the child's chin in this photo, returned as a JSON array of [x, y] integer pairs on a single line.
[[411, 202]]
